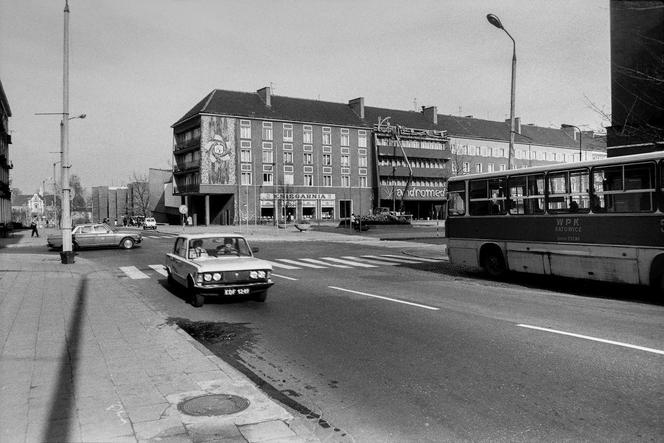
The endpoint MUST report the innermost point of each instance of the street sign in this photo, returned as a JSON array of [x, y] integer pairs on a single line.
[[183, 209]]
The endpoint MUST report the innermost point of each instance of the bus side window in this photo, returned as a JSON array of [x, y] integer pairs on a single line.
[[456, 200]]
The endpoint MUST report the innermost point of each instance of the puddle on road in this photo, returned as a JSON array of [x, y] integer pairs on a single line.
[[226, 341]]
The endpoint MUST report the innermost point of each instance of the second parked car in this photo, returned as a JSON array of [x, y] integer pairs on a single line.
[[149, 223], [96, 235]]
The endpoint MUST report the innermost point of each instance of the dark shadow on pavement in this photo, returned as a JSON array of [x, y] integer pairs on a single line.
[[62, 411]]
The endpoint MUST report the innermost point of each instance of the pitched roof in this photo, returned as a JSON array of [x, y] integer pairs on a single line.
[[250, 105]]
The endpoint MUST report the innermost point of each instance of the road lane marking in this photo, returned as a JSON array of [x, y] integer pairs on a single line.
[[283, 276], [601, 340], [133, 272], [358, 264], [299, 263], [160, 269], [391, 259], [430, 260], [318, 262], [385, 298], [280, 265], [371, 262]]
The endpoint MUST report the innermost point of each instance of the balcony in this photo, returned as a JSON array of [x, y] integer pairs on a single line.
[[186, 189]]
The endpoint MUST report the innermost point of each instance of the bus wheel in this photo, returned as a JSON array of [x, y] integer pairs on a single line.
[[494, 263]]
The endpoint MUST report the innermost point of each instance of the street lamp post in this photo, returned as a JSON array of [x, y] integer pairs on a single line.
[[580, 134], [495, 21]]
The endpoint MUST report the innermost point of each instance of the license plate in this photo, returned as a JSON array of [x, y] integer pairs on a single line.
[[234, 291]]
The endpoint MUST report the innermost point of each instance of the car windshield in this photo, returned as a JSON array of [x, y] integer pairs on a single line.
[[218, 246]]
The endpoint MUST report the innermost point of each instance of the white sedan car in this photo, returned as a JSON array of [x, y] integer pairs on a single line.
[[217, 264]]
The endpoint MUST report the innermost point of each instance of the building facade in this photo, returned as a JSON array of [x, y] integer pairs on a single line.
[[5, 164], [241, 156]]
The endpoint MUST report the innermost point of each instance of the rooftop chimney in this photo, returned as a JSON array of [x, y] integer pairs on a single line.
[[431, 114], [266, 95], [357, 106]]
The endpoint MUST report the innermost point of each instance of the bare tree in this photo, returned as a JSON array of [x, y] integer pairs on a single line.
[[139, 194]]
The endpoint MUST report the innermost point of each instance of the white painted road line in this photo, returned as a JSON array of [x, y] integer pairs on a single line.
[[133, 272], [318, 262], [299, 263], [161, 269], [358, 264], [385, 298], [371, 262], [283, 276], [280, 265], [601, 340], [430, 260], [390, 259]]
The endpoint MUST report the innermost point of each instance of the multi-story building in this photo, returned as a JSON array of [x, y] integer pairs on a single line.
[[254, 156], [5, 163]]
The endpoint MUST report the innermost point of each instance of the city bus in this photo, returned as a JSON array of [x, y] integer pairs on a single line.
[[600, 220]]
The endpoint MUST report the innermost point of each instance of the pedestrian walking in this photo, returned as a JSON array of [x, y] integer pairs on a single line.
[[33, 226]]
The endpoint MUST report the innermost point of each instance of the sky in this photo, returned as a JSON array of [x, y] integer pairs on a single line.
[[137, 66]]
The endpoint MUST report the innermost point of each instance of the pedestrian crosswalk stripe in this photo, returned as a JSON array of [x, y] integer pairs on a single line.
[[430, 260], [161, 269], [390, 259], [319, 262], [133, 272], [371, 262], [299, 263], [280, 265], [358, 264]]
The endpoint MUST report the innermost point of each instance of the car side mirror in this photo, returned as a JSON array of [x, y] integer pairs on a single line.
[[254, 249]]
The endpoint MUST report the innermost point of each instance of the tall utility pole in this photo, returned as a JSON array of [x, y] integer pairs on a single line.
[[67, 255]]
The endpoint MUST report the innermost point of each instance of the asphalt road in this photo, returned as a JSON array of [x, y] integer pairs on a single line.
[[427, 352]]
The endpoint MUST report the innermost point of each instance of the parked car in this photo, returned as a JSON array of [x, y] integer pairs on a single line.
[[217, 265], [96, 235], [149, 223]]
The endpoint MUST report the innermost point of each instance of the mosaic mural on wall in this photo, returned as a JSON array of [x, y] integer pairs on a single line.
[[218, 151]]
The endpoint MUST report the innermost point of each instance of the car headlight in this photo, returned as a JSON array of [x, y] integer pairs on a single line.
[[261, 274], [216, 276], [207, 277], [253, 274]]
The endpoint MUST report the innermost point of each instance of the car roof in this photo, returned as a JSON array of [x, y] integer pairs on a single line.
[[210, 234]]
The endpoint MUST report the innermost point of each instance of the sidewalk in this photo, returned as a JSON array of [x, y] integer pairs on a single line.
[[82, 359]]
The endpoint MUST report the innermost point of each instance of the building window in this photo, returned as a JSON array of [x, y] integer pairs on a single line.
[[307, 134], [327, 159], [288, 146], [267, 145], [362, 162], [288, 179], [267, 130], [268, 178], [466, 167], [308, 169], [308, 180], [288, 169], [308, 158], [245, 167], [345, 160], [245, 155], [288, 132], [288, 157], [503, 168], [327, 136], [345, 137], [483, 151], [308, 148], [327, 170], [345, 170], [478, 167], [362, 171], [268, 157], [245, 178], [245, 129], [490, 167], [362, 139], [363, 181], [327, 149], [327, 180], [345, 181]]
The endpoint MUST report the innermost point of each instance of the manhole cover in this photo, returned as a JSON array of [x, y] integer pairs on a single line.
[[213, 404]]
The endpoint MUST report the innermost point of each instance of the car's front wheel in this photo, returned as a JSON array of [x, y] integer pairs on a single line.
[[197, 299], [127, 243]]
